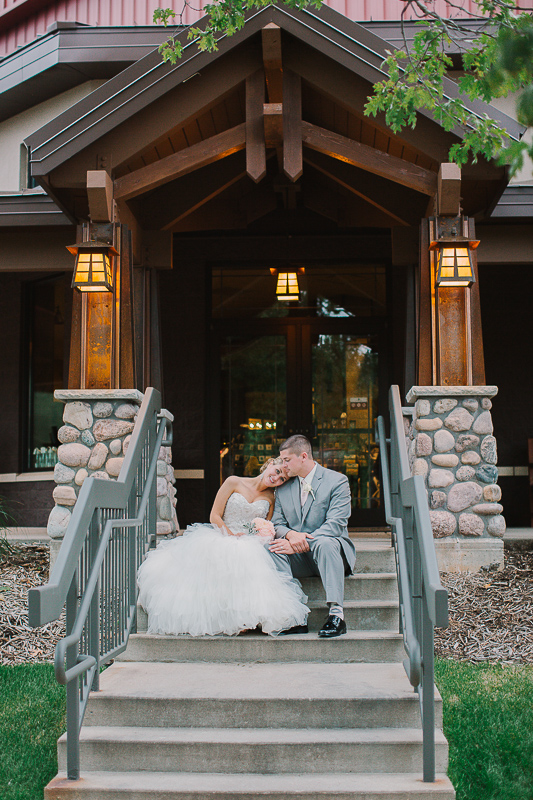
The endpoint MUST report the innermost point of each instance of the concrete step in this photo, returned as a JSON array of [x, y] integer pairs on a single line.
[[374, 556], [353, 647], [360, 615], [247, 695], [362, 586], [268, 751], [209, 786]]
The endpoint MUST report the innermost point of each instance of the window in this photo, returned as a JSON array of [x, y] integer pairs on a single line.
[[45, 323]]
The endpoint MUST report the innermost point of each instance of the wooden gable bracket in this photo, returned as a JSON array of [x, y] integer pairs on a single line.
[[449, 190], [368, 158]]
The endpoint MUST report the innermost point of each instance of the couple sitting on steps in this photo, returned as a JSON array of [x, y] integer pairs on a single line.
[[237, 574]]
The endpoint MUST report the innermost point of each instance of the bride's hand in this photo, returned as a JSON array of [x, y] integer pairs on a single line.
[[281, 546]]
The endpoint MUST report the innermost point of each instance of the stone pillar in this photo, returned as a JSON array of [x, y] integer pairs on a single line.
[[97, 428], [451, 444]]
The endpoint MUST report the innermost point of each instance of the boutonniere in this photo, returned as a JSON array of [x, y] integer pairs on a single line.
[[308, 488]]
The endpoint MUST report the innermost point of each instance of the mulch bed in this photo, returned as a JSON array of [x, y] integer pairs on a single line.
[[491, 613], [26, 566]]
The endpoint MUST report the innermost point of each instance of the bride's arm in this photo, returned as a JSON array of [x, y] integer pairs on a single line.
[[228, 487]]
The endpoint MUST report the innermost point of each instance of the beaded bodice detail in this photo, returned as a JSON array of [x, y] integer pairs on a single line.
[[239, 511]]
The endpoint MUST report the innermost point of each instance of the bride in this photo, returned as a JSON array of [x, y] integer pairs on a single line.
[[220, 578]]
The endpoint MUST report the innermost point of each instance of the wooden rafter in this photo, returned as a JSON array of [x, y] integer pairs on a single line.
[[369, 159], [271, 38], [333, 172], [181, 163], [292, 125], [255, 131]]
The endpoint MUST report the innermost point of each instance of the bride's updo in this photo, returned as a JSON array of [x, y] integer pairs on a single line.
[[269, 461]]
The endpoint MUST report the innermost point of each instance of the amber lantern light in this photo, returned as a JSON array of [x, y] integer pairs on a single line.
[[287, 287], [93, 271], [454, 260]]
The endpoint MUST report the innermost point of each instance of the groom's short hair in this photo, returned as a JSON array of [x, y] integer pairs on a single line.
[[297, 444]]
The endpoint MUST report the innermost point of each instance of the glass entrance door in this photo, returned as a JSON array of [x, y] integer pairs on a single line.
[[302, 376]]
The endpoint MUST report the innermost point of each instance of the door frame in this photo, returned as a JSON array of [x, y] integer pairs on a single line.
[[298, 332]]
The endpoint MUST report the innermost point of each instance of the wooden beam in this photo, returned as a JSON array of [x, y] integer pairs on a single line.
[[292, 125], [100, 195], [333, 172], [255, 132], [126, 216], [368, 158], [203, 194], [273, 121], [271, 38], [181, 163], [449, 190]]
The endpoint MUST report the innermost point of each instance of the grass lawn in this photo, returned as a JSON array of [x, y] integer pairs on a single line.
[[488, 721], [32, 717]]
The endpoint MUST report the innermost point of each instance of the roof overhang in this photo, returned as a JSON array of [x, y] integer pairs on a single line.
[[358, 50]]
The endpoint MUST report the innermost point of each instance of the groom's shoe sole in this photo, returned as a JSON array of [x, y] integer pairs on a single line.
[[293, 630]]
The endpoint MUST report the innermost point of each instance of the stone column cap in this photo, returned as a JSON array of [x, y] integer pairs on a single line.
[[415, 392], [67, 395]]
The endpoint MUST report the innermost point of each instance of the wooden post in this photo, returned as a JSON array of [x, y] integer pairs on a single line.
[[102, 354], [450, 344]]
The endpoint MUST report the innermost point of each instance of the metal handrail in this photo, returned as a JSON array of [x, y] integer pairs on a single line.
[[112, 526], [422, 598]]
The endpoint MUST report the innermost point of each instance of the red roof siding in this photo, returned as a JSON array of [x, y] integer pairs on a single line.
[[21, 21]]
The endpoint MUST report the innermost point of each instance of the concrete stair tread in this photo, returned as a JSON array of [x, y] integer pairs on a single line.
[[358, 604], [251, 737], [309, 681], [350, 635], [245, 786]]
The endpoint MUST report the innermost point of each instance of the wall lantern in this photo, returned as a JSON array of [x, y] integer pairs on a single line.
[[454, 260], [287, 287], [93, 271]]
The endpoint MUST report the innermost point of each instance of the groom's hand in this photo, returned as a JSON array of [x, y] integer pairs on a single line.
[[298, 541], [281, 546]]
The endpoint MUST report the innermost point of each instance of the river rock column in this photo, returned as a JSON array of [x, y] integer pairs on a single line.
[[451, 444], [97, 429]]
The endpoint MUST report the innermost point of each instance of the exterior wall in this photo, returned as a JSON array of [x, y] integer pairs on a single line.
[[13, 131], [14, 33], [508, 106]]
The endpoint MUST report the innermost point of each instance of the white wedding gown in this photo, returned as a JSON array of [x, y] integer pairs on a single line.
[[207, 582]]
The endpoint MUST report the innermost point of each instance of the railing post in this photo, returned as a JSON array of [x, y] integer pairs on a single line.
[[73, 692], [428, 697], [93, 622]]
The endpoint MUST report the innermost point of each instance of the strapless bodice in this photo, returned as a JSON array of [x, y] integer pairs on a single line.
[[239, 511]]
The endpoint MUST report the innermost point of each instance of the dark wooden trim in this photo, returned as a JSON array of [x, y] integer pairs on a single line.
[[292, 125], [181, 163], [478, 358], [424, 327], [369, 159], [255, 130], [126, 366], [452, 334]]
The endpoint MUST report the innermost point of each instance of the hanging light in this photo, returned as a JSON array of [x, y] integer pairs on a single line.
[[454, 260], [93, 271], [287, 287]]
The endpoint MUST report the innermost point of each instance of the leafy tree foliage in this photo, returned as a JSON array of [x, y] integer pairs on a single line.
[[496, 47]]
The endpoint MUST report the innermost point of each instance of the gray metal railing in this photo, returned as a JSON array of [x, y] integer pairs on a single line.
[[112, 526], [423, 599]]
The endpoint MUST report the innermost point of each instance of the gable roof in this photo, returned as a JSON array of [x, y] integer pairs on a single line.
[[360, 51]]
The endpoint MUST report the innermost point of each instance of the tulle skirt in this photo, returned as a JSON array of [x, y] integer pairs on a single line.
[[207, 583]]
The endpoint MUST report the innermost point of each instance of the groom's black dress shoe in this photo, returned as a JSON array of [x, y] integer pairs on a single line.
[[333, 626], [294, 629]]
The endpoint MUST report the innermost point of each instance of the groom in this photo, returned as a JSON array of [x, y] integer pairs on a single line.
[[310, 518]]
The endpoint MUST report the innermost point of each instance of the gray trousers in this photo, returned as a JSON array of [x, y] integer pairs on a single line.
[[324, 559]]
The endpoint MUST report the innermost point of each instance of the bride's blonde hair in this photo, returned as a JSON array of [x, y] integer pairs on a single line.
[[269, 461]]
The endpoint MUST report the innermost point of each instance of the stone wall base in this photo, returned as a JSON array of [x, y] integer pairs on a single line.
[[469, 555]]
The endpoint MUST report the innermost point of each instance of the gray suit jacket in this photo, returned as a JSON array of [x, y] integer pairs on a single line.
[[325, 514]]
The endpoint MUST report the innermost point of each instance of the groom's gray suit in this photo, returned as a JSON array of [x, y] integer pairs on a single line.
[[325, 516]]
